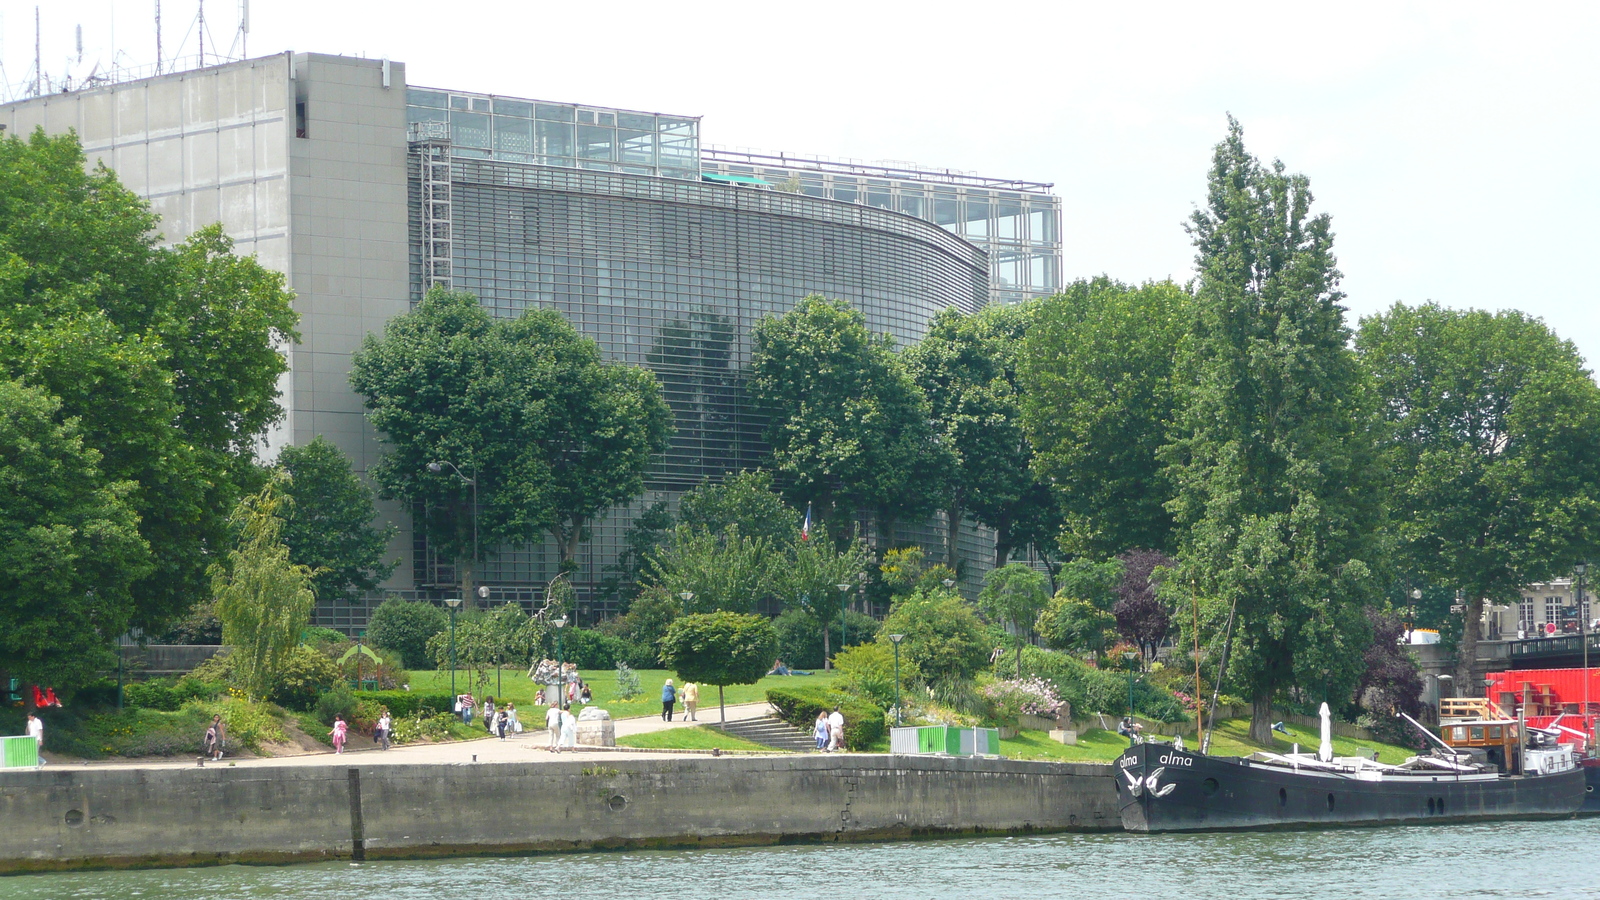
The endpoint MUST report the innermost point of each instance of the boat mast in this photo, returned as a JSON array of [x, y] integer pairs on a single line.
[[1199, 725], [1222, 671]]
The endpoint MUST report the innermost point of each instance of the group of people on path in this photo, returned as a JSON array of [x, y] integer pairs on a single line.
[[563, 728], [689, 694], [501, 721], [829, 730]]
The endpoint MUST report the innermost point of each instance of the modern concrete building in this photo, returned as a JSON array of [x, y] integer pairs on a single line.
[[365, 192]]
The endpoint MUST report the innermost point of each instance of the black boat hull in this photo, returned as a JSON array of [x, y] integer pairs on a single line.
[[1591, 788], [1216, 793]]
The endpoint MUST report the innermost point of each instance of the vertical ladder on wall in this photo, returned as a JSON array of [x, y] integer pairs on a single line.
[[432, 147]]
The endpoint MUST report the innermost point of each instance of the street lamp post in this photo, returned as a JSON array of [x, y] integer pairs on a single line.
[[453, 603], [897, 638], [686, 596], [1128, 656], [437, 467], [561, 665]]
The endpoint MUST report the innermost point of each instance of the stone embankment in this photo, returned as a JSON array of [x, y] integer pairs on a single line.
[[268, 813]]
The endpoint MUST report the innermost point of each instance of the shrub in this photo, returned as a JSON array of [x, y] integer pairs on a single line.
[[191, 688], [307, 674], [943, 636], [318, 636], [1010, 700], [1090, 690], [404, 626], [868, 670], [422, 727], [249, 724], [408, 703], [590, 649], [863, 721], [156, 694], [627, 682], [800, 640], [340, 701]]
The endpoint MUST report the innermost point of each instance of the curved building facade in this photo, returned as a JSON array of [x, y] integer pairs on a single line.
[[673, 275]]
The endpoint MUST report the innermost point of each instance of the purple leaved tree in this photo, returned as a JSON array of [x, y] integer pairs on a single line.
[[1141, 617]]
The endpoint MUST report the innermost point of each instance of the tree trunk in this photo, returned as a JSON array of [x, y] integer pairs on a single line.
[[1019, 660], [572, 535], [722, 705], [951, 534], [1466, 684], [467, 574], [827, 656], [1261, 719], [1002, 550]]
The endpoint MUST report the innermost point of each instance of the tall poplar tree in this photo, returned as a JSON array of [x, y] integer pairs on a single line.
[[1276, 505]]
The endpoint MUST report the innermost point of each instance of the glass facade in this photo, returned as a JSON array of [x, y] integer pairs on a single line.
[[1018, 223], [673, 274], [486, 126]]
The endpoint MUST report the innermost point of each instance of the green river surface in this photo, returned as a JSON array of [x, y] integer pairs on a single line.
[[1520, 859]]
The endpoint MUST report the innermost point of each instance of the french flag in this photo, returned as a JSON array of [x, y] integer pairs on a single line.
[[805, 526]]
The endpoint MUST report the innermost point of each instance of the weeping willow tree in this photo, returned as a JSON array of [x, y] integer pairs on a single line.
[[263, 600]]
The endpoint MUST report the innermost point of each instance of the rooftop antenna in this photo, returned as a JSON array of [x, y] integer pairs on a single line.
[[201, 19], [158, 37], [38, 58], [80, 43]]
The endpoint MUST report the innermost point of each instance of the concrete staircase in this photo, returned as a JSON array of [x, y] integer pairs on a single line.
[[772, 731]]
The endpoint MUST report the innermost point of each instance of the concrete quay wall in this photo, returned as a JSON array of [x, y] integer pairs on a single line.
[[215, 815]]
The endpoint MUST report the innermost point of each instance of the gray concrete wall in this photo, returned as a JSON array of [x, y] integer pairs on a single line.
[[181, 816]]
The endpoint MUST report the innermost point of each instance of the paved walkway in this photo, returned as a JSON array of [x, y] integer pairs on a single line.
[[530, 746]]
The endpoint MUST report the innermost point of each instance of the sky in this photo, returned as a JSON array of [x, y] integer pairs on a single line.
[[1453, 143]]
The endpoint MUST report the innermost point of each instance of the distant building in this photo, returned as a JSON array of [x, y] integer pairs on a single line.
[[365, 192]]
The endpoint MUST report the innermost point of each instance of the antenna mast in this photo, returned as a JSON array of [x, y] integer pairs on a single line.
[[158, 37], [201, 40], [38, 58]]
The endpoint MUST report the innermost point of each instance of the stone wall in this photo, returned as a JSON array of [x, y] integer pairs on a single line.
[[213, 815]]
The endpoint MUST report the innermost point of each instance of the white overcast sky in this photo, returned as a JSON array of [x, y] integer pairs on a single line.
[[1454, 143]]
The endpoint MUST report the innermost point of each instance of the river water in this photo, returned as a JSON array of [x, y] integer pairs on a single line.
[[1521, 860]]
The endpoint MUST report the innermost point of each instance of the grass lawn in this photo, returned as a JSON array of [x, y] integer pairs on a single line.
[[702, 737], [603, 683], [1231, 739]]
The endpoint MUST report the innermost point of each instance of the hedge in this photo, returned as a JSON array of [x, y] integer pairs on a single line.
[[589, 649], [404, 704], [863, 721]]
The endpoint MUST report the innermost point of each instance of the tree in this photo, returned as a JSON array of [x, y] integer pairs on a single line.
[[1277, 504], [848, 427], [1015, 593], [1390, 681], [746, 500], [168, 358], [720, 648], [1074, 625], [263, 599], [726, 571], [405, 626], [1096, 368], [537, 430], [943, 636], [967, 369], [1141, 616], [1492, 422], [809, 579], [70, 550], [327, 521]]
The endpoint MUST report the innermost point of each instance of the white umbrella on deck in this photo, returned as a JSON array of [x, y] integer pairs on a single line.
[[1325, 749]]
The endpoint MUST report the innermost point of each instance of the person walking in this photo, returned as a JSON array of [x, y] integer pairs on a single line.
[[340, 732], [669, 696], [820, 730], [466, 703], [501, 723], [552, 723], [385, 728], [836, 730], [216, 737], [569, 729], [36, 731], [691, 701], [488, 714], [512, 724]]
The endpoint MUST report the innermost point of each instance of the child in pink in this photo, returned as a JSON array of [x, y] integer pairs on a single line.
[[340, 729]]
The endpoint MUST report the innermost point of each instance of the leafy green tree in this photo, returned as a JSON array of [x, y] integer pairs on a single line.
[[167, 357], [1278, 507], [1074, 625], [1098, 398], [70, 550], [848, 427], [537, 430], [720, 648], [726, 571], [487, 640], [809, 580], [943, 636], [263, 599], [1015, 593], [405, 626], [966, 367], [868, 670], [650, 529], [1492, 423], [746, 500], [327, 522]]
